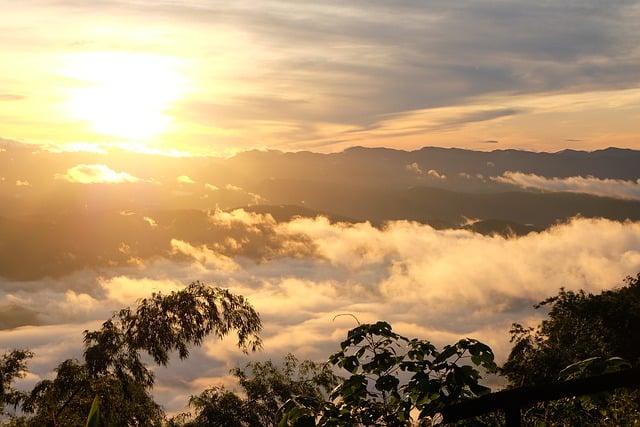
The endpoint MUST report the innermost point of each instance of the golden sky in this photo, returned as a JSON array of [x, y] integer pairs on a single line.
[[213, 77]]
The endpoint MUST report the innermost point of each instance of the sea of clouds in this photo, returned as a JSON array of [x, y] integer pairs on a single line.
[[440, 285]]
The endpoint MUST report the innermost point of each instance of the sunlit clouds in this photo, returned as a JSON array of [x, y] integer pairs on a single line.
[[184, 179], [438, 285], [218, 77], [209, 259], [577, 184], [93, 174]]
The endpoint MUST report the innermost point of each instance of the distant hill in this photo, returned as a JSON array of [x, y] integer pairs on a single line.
[[50, 226], [456, 169], [428, 204]]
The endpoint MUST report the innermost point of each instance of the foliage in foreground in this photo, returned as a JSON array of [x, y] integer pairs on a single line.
[[386, 378], [592, 334], [13, 365], [389, 376], [579, 326], [266, 386], [113, 368]]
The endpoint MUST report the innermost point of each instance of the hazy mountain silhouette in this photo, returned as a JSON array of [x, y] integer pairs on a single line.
[[427, 204], [50, 226], [464, 169]]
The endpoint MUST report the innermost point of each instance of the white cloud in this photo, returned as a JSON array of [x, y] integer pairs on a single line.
[[437, 285], [616, 188], [152, 222], [92, 174], [415, 168], [208, 258], [184, 179], [434, 173], [240, 216]]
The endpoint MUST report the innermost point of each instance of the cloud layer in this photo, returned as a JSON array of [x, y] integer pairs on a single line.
[[291, 75], [438, 285], [616, 188]]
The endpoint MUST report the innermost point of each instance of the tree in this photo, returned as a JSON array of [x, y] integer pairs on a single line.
[[584, 335], [390, 376], [579, 326], [66, 399], [265, 387], [113, 368], [13, 365]]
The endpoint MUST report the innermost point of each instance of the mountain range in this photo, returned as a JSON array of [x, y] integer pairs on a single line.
[[51, 224]]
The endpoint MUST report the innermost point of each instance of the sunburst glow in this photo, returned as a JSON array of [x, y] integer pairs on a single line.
[[123, 95]]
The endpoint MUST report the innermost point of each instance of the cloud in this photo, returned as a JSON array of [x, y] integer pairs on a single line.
[[615, 188], [13, 315], [124, 290], [184, 179], [429, 120], [152, 223], [240, 217], [310, 75], [205, 256], [93, 174], [10, 97], [415, 168], [21, 183], [439, 285], [77, 147], [435, 174]]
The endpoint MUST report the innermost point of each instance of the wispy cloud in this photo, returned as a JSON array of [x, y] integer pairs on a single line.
[[616, 188], [10, 97], [310, 74]]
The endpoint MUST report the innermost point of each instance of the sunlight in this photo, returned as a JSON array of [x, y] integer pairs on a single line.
[[124, 95]]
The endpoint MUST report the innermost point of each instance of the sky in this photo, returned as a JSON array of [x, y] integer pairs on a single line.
[[205, 77]]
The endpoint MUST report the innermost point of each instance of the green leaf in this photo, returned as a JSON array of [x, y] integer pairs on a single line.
[[93, 420], [351, 364], [387, 383]]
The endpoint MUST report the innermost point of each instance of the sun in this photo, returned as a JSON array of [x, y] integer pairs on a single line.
[[123, 95]]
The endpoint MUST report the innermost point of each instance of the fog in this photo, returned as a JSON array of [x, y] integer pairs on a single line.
[[616, 188]]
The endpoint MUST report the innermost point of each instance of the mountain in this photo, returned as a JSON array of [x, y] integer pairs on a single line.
[[50, 224], [425, 204], [455, 169]]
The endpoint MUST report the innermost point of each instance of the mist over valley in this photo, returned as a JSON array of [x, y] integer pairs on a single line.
[[441, 243]]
